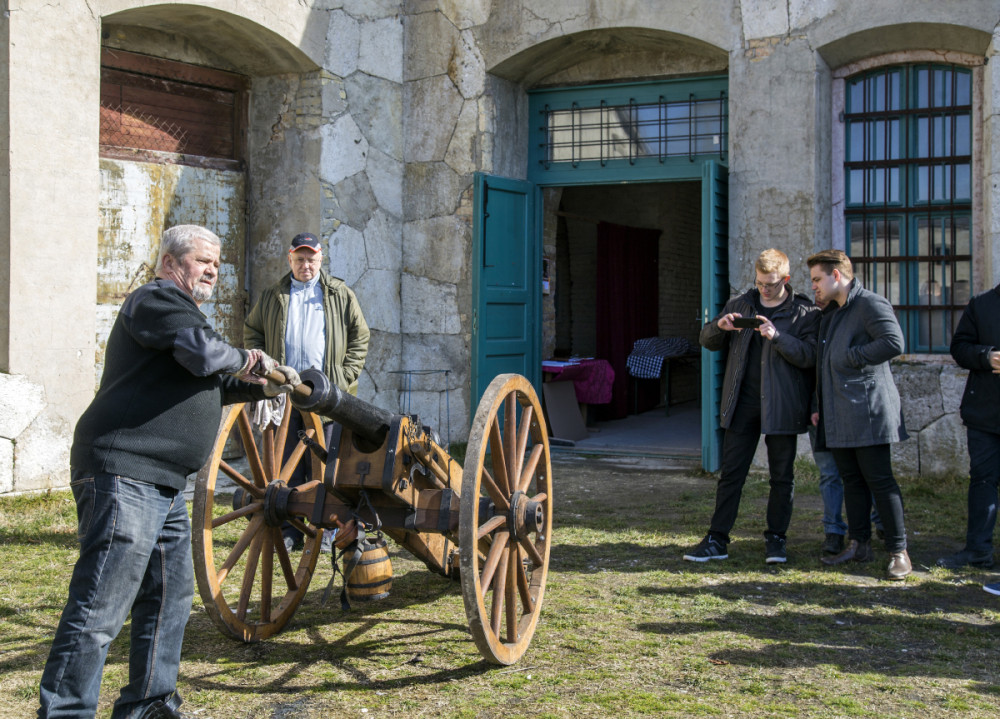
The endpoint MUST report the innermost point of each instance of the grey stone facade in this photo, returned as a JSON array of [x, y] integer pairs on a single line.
[[366, 123]]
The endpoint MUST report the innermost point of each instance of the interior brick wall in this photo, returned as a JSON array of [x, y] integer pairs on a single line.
[[674, 209]]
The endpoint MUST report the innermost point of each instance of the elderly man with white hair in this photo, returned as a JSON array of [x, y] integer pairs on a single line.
[[151, 424]]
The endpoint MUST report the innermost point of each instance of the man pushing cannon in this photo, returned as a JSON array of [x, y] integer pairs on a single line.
[[152, 423]]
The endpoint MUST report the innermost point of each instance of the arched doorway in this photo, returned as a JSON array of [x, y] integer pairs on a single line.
[[606, 147]]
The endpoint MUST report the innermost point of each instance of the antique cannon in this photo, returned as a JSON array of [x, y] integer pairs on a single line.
[[487, 525]]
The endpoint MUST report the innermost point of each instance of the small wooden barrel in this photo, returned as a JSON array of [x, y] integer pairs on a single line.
[[372, 577]]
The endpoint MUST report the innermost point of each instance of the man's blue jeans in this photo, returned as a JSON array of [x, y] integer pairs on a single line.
[[984, 474], [831, 489], [135, 556]]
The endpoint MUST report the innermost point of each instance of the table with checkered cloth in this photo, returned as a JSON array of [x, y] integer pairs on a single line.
[[646, 358]]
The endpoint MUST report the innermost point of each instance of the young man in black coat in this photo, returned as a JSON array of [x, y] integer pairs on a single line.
[[975, 347], [767, 390]]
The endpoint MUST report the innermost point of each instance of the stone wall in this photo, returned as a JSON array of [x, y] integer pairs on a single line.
[[931, 391], [51, 190], [368, 121]]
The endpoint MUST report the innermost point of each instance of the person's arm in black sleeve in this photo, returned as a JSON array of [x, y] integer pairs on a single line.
[[887, 336], [164, 318], [714, 338], [800, 349], [202, 352], [233, 391], [966, 347]]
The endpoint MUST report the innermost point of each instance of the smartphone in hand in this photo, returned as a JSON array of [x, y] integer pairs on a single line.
[[747, 323]]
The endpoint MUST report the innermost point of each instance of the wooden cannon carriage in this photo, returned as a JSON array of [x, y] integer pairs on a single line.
[[487, 525]]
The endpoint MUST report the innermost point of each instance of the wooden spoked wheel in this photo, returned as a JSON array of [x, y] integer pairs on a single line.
[[505, 520], [249, 583]]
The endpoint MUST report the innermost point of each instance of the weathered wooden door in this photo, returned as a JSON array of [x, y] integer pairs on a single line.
[[714, 293], [506, 283]]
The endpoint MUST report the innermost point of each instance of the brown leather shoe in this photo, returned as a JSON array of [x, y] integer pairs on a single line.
[[899, 566], [855, 551]]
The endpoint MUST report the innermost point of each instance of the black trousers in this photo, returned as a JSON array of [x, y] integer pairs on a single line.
[[738, 448], [867, 475]]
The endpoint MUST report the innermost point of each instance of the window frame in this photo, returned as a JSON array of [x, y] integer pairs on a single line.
[[544, 171], [908, 211], [170, 79]]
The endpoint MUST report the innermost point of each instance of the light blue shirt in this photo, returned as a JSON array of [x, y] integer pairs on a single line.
[[305, 328]]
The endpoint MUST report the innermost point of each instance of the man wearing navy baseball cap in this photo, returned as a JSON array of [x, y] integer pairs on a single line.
[[309, 319]]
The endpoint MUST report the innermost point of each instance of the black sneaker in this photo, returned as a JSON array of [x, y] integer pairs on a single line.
[[967, 558], [709, 548], [833, 544], [168, 709], [774, 549]]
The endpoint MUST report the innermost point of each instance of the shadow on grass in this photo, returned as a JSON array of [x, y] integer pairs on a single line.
[[366, 636], [64, 539], [920, 600], [894, 629], [409, 589], [384, 644]]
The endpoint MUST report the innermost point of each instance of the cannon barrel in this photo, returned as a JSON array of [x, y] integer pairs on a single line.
[[327, 399]]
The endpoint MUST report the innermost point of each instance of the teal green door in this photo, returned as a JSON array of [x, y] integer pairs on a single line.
[[714, 293], [506, 283]]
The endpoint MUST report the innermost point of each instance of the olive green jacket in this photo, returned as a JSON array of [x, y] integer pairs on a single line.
[[346, 330]]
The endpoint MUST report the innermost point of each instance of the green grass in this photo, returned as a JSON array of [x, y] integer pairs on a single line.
[[627, 628]]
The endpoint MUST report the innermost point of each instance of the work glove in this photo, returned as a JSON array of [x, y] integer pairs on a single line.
[[273, 389], [257, 365]]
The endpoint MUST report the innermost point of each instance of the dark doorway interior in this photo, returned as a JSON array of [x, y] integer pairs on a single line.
[[627, 265]]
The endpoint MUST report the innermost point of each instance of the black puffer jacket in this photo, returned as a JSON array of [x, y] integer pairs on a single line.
[[786, 374], [977, 335]]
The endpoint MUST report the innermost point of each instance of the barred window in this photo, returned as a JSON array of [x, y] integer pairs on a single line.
[[666, 128], [908, 176]]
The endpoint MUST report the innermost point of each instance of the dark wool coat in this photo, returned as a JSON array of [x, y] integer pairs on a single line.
[[857, 397]]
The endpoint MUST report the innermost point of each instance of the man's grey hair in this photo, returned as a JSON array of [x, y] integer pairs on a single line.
[[180, 239]]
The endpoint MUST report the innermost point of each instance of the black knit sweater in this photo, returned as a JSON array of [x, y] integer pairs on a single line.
[[166, 377]]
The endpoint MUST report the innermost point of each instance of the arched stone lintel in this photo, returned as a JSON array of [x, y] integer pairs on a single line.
[[947, 43], [532, 65], [295, 44]]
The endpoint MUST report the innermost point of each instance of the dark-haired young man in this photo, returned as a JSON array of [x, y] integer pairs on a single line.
[[859, 409]]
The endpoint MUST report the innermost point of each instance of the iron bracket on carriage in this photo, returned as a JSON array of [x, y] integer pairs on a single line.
[[487, 524]]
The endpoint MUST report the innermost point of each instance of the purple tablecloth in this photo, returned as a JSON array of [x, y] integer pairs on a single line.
[[592, 379]]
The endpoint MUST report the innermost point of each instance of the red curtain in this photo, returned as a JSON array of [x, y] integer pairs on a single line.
[[628, 298]]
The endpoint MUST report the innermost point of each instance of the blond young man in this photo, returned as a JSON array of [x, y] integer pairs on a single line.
[[767, 390]]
